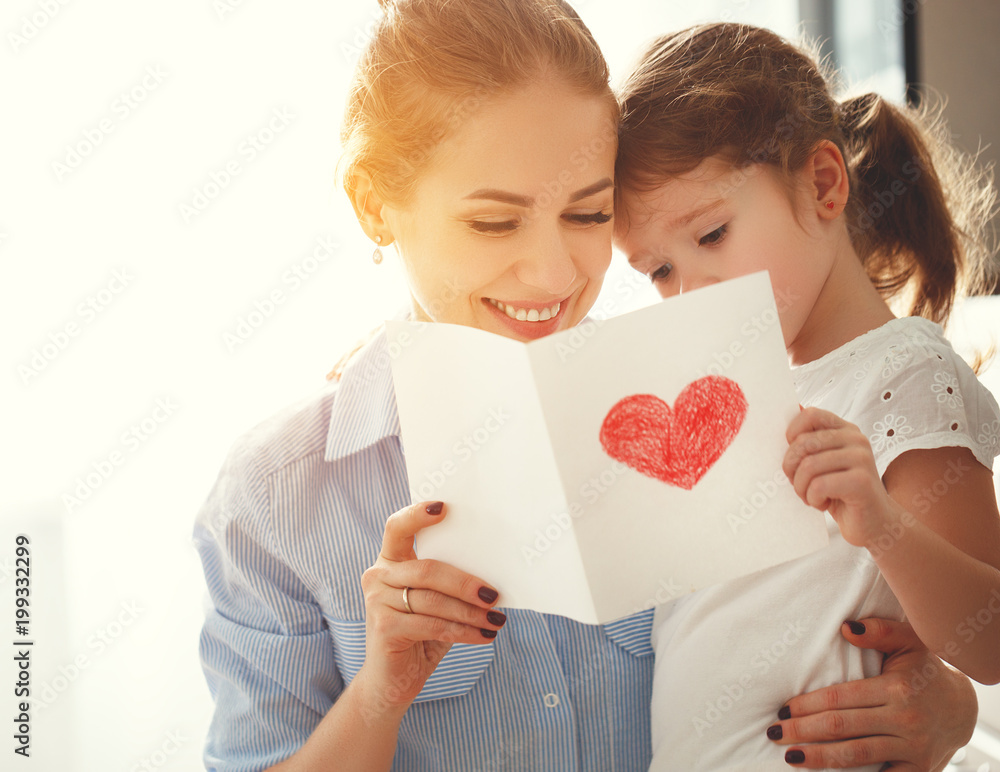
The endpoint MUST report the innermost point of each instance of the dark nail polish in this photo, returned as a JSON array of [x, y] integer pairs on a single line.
[[785, 713], [496, 617], [489, 633], [486, 595], [794, 757], [856, 627], [774, 732], [435, 508]]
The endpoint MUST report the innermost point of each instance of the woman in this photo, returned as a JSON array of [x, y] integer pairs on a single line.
[[480, 140]]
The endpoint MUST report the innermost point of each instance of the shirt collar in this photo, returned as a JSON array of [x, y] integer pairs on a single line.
[[364, 407]]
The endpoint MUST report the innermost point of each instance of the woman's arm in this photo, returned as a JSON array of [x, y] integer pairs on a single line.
[[916, 714], [402, 648], [358, 733], [931, 525]]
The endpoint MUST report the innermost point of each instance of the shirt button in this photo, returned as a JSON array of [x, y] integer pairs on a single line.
[[551, 700]]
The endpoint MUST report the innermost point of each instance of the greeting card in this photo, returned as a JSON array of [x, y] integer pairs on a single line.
[[611, 467]]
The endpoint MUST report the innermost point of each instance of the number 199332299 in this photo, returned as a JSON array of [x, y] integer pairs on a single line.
[[22, 648]]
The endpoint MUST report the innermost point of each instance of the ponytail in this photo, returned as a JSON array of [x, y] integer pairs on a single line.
[[918, 208]]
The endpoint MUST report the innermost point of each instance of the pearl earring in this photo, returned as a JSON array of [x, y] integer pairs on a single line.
[[377, 255]]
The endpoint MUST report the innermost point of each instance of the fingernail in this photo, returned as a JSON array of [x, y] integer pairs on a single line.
[[486, 595], [488, 633], [496, 617], [856, 627], [774, 732], [794, 757], [785, 713], [435, 508]]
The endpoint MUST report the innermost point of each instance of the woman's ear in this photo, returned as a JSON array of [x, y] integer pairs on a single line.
[[369, 208], [826, 176]]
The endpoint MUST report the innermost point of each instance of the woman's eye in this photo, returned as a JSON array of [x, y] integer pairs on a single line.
[[662, 273], [597, 218], [714, 237], [487, 226]]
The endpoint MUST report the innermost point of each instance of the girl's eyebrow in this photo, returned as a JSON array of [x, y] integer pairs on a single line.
[[680, 222], [688, 218], [527, 202]]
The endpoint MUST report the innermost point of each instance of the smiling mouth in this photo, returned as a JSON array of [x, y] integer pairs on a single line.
[[524, 314]]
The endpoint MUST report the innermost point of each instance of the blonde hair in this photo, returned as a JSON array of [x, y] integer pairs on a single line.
[[430, 64], [918, 209]]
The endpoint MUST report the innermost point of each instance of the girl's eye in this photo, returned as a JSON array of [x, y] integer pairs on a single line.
[[714, 237], [487, 226], [662, 273], [598, 218]]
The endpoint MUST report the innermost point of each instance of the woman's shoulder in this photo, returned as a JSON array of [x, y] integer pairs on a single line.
[[294, 432], [240, 500], [344, 412]]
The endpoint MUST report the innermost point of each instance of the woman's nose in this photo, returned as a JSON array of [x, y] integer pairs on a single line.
[[549, 267]]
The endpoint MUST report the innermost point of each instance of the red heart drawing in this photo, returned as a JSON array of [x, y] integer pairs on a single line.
[[679, 445]]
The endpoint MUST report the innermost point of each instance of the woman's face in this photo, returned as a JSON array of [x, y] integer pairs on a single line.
[[509, 229]]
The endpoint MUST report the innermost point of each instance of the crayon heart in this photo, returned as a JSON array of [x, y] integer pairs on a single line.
[[676, 445]]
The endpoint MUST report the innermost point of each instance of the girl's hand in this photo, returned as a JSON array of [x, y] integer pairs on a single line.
[[831, 466], [446, 606], [916, 714]]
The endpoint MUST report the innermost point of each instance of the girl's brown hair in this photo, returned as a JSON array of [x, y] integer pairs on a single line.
[[429, 65], [918, 208]]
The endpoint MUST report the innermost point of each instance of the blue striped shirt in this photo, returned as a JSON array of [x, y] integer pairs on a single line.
[[293, 521]]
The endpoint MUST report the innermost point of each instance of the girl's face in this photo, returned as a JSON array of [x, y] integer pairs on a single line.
[[509, 230], [717, 223]]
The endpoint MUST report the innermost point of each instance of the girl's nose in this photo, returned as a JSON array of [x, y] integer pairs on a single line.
[[696, 282]]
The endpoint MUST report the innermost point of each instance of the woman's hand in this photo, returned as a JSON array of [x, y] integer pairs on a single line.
[[402, 647], [832, 468], [446, 606], [916, 714]]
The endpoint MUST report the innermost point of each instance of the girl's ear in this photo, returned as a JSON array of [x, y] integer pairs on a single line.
[[369, 208], [826, 175]]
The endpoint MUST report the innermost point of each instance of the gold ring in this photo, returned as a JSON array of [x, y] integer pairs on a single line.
[[406, 600]]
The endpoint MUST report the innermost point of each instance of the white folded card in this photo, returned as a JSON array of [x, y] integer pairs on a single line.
[[611, 467]]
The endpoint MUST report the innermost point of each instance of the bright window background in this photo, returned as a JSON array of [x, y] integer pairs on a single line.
[[147, 395]]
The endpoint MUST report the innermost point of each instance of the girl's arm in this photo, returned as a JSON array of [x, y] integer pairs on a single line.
[[931, 524]]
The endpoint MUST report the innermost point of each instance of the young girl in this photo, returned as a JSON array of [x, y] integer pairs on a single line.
[[735, 158]]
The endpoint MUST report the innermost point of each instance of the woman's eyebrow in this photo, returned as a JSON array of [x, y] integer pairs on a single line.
[[590, 190], [506, 197]]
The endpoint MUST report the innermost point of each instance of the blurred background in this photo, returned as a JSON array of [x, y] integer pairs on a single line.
[[167, 168]]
